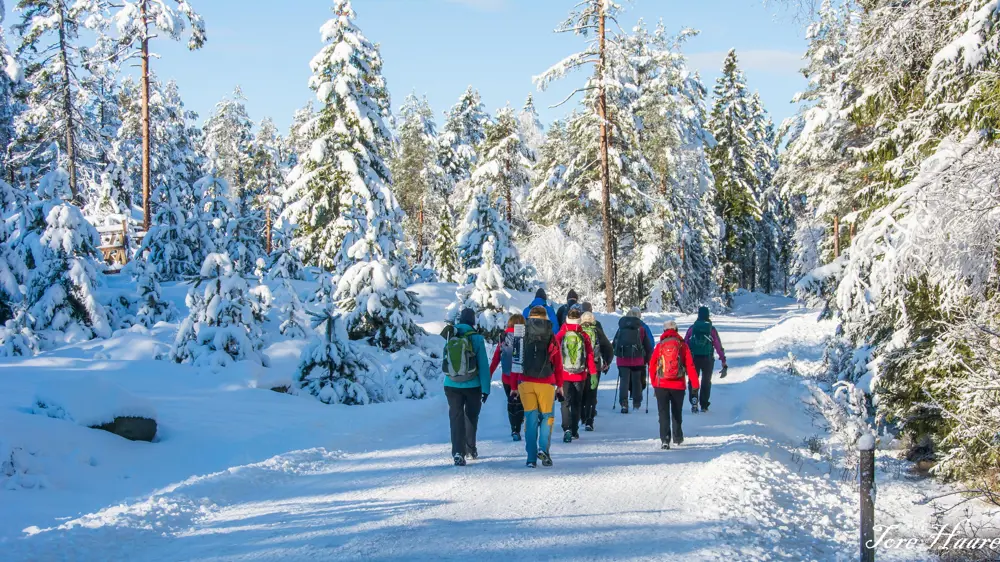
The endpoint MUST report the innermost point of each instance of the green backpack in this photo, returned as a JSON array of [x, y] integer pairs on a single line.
[[701, 339], [460, 363], [591, 331], [574, 353]]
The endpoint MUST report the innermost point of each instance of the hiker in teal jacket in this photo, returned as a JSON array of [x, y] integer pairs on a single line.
[[466, 398]]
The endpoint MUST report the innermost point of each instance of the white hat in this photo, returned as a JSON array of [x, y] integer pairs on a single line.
[[669, 325]]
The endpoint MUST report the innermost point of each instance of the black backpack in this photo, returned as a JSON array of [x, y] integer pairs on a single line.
[[628, 342], [537, 337]]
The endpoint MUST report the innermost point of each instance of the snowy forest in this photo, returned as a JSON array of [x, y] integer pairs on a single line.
[[878, 202]]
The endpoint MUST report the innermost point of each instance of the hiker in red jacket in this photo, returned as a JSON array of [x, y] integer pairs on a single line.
[[577, 353], [670, 369], [509, 355]]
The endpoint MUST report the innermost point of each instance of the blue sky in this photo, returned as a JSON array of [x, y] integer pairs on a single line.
[[439, 47]]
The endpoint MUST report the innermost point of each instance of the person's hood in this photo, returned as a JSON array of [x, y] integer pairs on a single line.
[[571, 296], [509, 330], [671, 334], [539, 301], [540, 294], [464, 329], [704, 314], [630, 321], [567, 327]]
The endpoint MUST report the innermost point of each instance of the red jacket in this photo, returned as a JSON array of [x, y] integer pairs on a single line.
[[685, 357], [556, 378], [591, 367], [504, 377]]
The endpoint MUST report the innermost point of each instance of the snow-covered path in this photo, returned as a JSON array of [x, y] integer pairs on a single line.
[[735, 490]]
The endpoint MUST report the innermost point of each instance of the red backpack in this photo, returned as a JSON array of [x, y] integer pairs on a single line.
[[669, 366]]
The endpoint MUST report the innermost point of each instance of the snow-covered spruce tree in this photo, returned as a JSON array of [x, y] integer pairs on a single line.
[[350, 140], [267, 177], [290, 311], [10, 76], [55, 68], [301, 135], [421, 182], [445, 257], [483, 222], [152, 308], [13, 269], [61, 295], [222, 325], [530, 126], [464, 130], [733, 161], [769, 271], [285, 261], [228, 230], [333, 369], [228, 148], [505, 166], [486, 296]]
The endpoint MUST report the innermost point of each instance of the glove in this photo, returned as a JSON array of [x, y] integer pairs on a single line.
[[725, 371], [486, 397], [560, 396], [694, 399]]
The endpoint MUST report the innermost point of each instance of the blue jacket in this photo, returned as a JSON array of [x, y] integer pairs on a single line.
[[649, 336], [548, 310], [479, 345]]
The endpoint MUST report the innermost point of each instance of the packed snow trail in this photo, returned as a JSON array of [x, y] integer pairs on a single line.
[[734, 490]]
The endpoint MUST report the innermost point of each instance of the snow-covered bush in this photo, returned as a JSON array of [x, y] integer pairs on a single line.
[[482, 222], [412, 374], [333, 368], [222, 325], [16, 339], [19, 469], [377, 305], [285, 261]]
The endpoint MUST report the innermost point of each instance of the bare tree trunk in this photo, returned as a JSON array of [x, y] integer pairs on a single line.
[[836, 236], [68, 108], [602, 110], [146, 132], [854, 225], [420, 228], [267, 230], [510, 205], [683, 264]]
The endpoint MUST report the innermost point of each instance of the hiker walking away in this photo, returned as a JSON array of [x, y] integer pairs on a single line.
[[539, 385], [571, 300], [670, 370], [466, 384], [578, 366], [633, 347], [509, 355], [703, 339], [542, 300], [604, 353]]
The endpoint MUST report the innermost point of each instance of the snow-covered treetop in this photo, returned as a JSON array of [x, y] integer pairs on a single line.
[[169, 17]]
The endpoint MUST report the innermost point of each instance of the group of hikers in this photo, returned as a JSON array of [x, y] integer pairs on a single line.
[[547, 355]]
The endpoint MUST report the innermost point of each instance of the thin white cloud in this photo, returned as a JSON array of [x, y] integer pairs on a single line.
[[484, 5], [767, 61]]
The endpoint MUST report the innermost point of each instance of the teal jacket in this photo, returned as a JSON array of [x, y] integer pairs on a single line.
[[478, 344]]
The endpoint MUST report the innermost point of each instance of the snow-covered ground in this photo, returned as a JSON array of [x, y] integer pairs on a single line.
[[242, 473]]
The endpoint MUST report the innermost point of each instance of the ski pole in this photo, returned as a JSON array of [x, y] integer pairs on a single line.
[[616, 392], [647, 395]]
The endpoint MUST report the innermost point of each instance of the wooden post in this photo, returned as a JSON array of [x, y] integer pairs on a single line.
[[267, 230], [125, 241], [836, 236], [866, 472]]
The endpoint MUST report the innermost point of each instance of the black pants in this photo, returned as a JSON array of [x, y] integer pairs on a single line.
[[515, 411], [703, 364], [670, 404], [572, 406], [464, 405], [589, 401], [631, 379]]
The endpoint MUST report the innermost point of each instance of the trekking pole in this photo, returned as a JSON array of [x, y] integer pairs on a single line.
[[616, 394], [647, 395]]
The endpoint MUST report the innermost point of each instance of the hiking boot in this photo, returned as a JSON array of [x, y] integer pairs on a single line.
[[459, 459], [576, 435], [545, 458], [704, 409], [474, 454], [678, 441], [624, 409], [665, 445], [589, 427], [515, 435], [694, 409], [635, 407], [531, 465], [568, 436]]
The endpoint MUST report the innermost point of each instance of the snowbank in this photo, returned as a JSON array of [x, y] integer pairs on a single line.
[[89, 401]]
